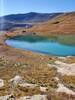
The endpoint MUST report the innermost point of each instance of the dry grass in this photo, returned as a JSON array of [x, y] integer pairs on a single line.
[[69, 81], [60, 96], [65, 25]]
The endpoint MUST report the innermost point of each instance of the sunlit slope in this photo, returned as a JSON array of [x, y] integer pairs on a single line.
[[63, 24]]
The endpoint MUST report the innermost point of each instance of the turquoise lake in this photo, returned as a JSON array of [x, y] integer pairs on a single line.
[[55, 45]]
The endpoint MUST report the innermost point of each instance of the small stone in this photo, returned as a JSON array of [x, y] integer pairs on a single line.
[[43, 89]]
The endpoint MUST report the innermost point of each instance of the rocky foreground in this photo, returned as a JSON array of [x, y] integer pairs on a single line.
[[25, 75]]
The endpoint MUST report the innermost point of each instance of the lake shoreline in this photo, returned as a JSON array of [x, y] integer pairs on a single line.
[[32, 67], [52, 46]]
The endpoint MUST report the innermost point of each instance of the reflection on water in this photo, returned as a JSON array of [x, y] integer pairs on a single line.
[[54, 45]]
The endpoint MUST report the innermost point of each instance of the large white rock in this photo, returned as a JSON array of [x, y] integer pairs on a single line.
[[56, 78], [43, 89], [4, 97], [62, 88], [65, 68], [35, 97], [1, 83], [28, 85], [16, 80]]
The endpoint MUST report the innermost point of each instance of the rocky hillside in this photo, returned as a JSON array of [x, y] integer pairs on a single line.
[[6, 26], [64, 23], [23, 20], [30, 17]]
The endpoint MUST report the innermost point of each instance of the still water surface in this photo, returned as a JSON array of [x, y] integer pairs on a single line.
[[55, 45]]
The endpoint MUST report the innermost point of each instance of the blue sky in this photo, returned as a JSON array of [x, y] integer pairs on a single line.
[[25, 6]]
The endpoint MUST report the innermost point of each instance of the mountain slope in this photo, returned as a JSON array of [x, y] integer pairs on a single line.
[[30, 17], [9, 21], [10, 26], [61, 24]]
